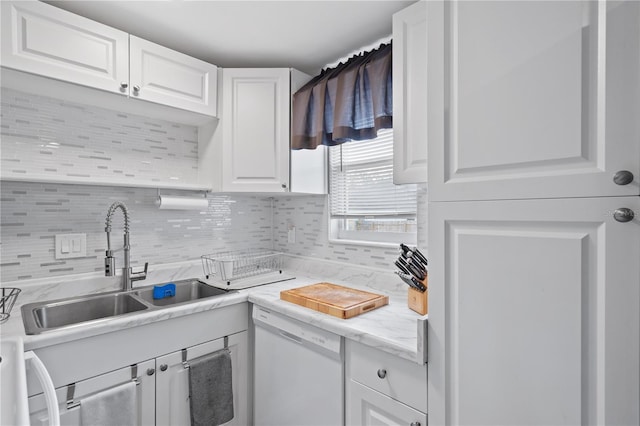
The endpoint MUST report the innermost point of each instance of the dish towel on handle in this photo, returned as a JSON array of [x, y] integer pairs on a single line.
[[115, 406], [210, 389]]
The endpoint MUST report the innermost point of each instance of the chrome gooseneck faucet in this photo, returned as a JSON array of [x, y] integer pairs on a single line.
[[128, 276]]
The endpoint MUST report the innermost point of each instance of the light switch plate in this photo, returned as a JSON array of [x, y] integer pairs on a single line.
[[69, 246]]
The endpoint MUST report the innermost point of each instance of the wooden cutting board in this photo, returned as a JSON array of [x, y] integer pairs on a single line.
[[339, 301]]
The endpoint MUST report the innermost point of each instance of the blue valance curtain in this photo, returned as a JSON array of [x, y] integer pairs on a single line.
[[349, 102]]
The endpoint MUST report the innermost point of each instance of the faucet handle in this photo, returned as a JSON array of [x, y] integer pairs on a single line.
[[136, 276], [109, 265]]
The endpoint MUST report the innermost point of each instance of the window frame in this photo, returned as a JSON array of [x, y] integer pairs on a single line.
[[337, 235]]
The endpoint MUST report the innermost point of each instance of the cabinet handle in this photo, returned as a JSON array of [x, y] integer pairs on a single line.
[[415, 424], [164, 367], [623, 215], [284, 186], [124, 85], [623, 177], [150, 371], [382, 373], [136, 89]]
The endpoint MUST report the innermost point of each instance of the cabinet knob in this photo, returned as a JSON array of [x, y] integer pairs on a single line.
[[382, 373], [284, 186], [124, 85], [136, 89], [415, 424], [150, 371], [164, 367], [623, 215], [623, 177]]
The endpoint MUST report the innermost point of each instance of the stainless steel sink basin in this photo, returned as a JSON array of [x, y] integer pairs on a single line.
[[61, 313], [186, 291], [77, 311]]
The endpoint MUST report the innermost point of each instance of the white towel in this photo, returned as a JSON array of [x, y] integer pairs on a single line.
[[115, 407]]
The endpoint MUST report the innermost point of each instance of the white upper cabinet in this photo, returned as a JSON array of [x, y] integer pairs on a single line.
[[42, 39], [164, 76], [255, 125], [533, 99], [255, 135], [410, 94]]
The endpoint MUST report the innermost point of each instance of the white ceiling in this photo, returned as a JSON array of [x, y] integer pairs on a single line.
[[302, 34]]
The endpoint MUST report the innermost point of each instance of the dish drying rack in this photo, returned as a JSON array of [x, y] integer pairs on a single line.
[[230, 266], [7, 299]]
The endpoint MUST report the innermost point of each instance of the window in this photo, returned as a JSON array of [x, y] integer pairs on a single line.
[[364, 203]]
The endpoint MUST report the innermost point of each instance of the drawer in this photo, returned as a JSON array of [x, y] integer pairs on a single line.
[[401, 379]]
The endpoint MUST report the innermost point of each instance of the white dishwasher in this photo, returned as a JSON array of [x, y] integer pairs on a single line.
[[298, 373]]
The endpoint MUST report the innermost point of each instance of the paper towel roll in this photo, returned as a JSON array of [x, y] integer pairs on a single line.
[[181, 203]]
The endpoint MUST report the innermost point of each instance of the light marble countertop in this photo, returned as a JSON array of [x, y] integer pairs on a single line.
[[393, 328]]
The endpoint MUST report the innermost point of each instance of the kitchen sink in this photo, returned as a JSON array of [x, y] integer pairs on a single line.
[[62, 313], [186, 291], [76, 311]]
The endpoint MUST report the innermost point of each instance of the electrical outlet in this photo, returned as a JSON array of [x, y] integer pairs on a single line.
[[69, 246], [291, 234]]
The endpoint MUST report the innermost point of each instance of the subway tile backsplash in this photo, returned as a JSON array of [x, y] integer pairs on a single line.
[[55, 139], [50, 138], [33, 213], [308, 214]]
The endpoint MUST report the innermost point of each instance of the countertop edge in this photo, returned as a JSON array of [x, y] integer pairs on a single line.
[[412, 347]]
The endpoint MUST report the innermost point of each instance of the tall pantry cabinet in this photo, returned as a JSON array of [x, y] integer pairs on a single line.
[[534, 232]]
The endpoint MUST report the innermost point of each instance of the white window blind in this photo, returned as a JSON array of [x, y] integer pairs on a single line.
[[362, 194]]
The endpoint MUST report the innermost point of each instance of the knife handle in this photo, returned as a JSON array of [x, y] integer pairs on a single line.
[[408, 280], [402, 267], [418, 254], [418, 284]]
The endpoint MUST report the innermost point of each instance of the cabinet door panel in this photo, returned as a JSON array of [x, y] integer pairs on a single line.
[[172, 78], [522, 295], [410, 94], [172, 383], [538, 100], [256, 130], [42, 39], [71, 416], [366, 407]]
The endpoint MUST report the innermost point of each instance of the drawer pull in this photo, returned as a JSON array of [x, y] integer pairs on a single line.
[[382, 373]]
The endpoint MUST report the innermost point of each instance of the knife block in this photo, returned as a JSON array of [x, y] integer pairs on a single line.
[[418, 301]]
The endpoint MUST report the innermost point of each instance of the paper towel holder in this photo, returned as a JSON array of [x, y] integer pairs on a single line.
[[171, 202]]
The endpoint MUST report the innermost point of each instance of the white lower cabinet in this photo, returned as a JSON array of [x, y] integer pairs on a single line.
[[70, 398], [172, 381], [382, 389], [151, 355], [534, 312], [369, 407]]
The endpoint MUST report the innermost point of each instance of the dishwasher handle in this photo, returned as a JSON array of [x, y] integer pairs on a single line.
[[290, 336]]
